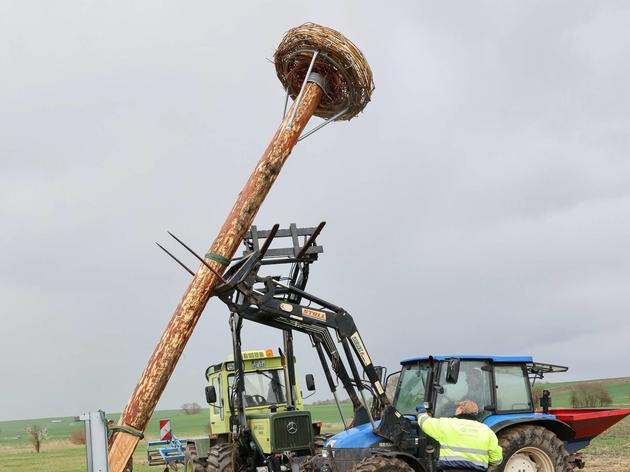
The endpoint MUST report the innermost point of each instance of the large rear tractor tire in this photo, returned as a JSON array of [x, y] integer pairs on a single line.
[[382, 464], [532, 449], [192, 463], [221, 458]]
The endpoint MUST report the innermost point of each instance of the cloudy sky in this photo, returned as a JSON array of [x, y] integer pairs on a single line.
[[480, 204]]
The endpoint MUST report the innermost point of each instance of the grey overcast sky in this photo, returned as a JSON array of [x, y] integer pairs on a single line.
[[481, 204]]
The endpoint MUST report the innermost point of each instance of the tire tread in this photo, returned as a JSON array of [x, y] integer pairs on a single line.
[[221, 458], [519, 437]]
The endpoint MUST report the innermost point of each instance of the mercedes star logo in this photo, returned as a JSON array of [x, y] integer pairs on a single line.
[[292, 427]]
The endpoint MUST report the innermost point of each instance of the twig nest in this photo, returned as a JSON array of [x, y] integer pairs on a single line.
[[347, 74]]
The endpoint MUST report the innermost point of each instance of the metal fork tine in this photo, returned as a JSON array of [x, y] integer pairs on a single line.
[[201, 259], [175, 259], [269, 239], [311, 239]]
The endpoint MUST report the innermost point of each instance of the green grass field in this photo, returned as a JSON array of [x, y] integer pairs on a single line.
[[610, 451], [59, 455]]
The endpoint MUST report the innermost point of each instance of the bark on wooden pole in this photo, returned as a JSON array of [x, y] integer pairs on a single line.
[[166, 354]]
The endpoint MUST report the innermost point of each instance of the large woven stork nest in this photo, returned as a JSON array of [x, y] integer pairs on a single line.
[[347, 74]]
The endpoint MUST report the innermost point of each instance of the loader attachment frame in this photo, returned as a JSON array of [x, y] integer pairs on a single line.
[[287, 306]]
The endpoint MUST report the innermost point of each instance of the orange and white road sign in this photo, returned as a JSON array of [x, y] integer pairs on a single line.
[[165, 430]]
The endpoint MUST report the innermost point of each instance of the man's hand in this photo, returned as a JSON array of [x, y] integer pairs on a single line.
[[422, 414]]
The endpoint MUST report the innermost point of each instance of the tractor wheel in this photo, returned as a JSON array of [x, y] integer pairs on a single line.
[[192, 463], [221, 458], [318, 442], [532, 449], [382, 464]]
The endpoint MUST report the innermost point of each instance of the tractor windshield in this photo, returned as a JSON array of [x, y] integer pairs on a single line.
[[411, 387], [263, 387]]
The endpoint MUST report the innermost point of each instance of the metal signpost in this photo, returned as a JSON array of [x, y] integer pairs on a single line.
[[95, 441]]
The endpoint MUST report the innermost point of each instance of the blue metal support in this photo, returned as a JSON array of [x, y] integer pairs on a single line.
[[164, 451]]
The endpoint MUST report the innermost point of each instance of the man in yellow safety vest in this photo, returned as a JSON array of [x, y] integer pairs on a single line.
[[465, 443]]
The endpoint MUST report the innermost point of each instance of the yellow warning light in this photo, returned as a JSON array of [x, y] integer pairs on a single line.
[[269, 353]]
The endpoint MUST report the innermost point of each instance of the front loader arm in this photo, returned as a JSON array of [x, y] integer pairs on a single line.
[[329, 316], [275, 304]]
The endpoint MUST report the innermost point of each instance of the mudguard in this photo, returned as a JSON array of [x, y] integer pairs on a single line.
[[561, 429]]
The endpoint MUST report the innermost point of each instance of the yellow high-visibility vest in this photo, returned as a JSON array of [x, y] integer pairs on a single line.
[[464, 444]]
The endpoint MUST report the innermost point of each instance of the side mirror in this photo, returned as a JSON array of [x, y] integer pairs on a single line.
[[211, 395], [452, 371], [391, 384], [310, 383], [545, 401]]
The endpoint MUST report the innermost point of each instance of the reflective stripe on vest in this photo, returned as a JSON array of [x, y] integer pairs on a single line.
[[460, 463]]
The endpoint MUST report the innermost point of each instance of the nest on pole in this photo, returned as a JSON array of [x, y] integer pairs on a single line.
[[346, 72]]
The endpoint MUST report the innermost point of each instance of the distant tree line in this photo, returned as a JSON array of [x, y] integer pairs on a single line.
[[589, 395], [191, 408], [583, 395]]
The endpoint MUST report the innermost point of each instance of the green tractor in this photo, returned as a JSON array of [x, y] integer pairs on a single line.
[[280, 431]]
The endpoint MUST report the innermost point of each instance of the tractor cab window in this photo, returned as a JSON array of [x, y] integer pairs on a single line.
[[263, 388], [411, 387], [512, 388], [474, 383]]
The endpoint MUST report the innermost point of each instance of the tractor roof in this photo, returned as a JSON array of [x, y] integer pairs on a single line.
[[497, 359]]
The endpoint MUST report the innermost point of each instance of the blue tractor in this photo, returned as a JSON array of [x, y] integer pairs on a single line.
[[532, 441]]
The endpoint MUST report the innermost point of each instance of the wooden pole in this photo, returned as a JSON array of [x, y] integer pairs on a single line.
[[179, 329]]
